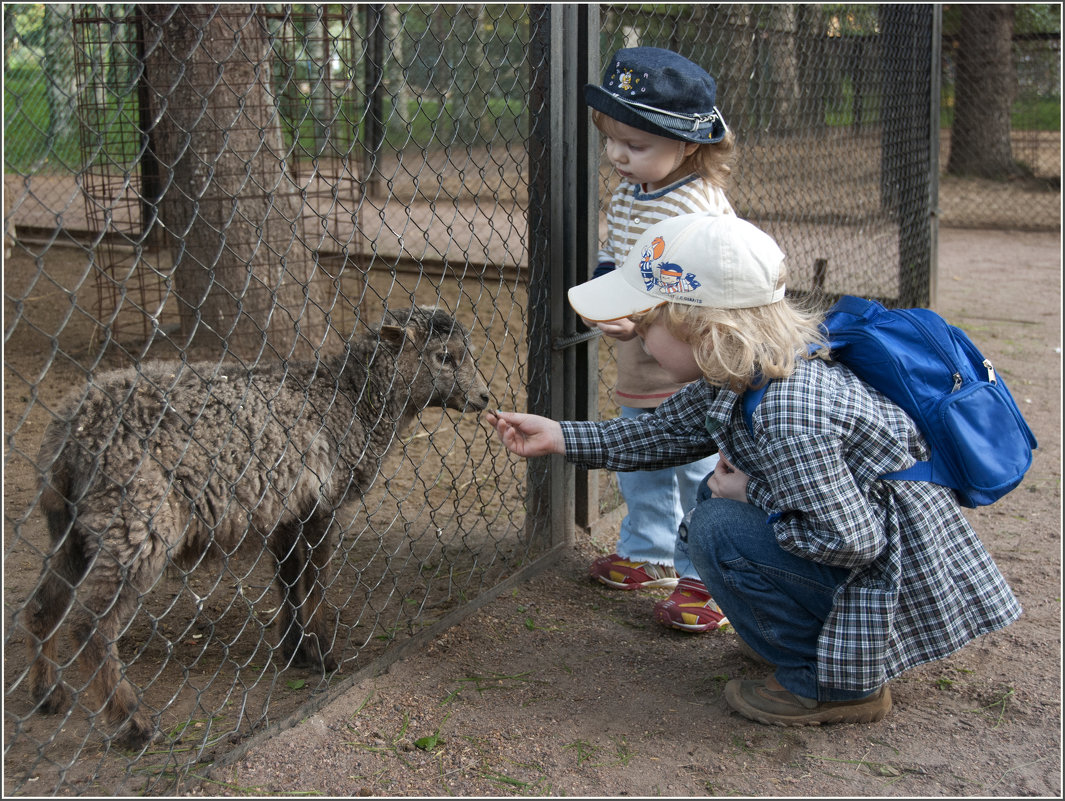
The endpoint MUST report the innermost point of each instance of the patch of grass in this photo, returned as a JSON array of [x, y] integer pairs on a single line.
[[623, 751], [997, 708], [499, 778], [257, 790], [430, 742], [884, 769], [584, 749]]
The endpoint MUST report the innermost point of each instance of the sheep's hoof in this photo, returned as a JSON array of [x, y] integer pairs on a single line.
[[52, 699], [307, 655], [329, 663], [134, 735]]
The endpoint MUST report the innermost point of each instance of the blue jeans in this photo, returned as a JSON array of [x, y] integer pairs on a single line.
[[656, 501], [776, 601]]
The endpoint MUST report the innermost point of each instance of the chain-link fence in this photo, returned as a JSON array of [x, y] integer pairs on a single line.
[[1000, 118], [242, 192]]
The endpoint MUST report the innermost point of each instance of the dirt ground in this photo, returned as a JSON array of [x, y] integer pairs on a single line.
[[562, 687]]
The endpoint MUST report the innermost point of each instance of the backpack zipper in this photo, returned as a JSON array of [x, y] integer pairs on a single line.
[[934, 342]]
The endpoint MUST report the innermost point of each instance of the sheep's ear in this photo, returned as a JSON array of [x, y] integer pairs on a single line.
[[395, 333]]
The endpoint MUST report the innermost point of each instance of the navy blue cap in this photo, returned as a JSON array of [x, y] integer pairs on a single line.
[[661, 92]]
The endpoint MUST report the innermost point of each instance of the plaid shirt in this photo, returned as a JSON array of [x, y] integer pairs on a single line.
[[921, 583]]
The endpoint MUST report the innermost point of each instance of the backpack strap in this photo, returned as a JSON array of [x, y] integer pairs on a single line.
[[920, 471], [855, 306], [749, 402]]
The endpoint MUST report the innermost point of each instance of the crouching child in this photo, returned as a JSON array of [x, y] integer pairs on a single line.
[[836, 577]]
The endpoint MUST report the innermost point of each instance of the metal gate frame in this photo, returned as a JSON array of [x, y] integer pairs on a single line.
[[563, 222]]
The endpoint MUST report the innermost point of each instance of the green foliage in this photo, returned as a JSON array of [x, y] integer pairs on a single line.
[[1032, 113], [1037, 18], [30, 141]]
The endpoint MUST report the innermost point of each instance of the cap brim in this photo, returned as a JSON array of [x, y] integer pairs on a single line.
[[601, 100], [609, 297]]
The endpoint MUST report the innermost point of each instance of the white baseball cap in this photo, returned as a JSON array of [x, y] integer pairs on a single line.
[[721, 262]]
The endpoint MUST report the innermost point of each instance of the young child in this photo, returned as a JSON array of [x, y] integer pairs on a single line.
[[669, 144], [839, 579]]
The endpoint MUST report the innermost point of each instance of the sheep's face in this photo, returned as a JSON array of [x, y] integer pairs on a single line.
[[457, 383], [447, 373]]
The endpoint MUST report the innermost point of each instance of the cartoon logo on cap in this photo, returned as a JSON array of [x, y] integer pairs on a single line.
[[625, 81], [665, 278]]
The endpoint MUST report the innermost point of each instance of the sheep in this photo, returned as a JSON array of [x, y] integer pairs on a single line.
[[176, 464]]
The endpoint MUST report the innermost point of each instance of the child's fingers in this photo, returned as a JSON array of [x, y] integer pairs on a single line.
[[509, 434]]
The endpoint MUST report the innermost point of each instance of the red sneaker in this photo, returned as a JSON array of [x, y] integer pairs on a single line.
[[690, 608], [621, 574]]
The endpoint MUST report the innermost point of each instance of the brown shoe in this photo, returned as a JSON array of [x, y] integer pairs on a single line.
[[765, 701]]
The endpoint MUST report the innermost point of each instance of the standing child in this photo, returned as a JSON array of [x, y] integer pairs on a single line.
[[669, 144], [838, 578]]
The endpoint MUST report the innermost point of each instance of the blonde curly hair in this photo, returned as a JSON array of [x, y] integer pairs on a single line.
[[740, 348]]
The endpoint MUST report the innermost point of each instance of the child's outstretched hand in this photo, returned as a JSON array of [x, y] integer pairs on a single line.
[[527, 434], [728, 482], [622, 330]]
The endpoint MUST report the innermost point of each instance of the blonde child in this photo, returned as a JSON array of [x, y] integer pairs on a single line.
[[839, 579], [669, 144]]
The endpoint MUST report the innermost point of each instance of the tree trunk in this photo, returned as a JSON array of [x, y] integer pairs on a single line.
[[735, 92], [242, 273], [983, 94], [784, 112]]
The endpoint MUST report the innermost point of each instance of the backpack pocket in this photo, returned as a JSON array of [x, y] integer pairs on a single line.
[[990, 464]]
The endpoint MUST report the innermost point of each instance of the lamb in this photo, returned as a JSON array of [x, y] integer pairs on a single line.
[[173, 464]]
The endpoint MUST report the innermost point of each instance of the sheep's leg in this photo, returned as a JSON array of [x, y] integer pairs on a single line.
[[288, 550], [318, 639], [302, 554], [109, 601], [45, 613]]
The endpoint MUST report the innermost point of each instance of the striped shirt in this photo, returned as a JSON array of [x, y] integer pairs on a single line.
[[641, 383], [632, 211], [921, 583]]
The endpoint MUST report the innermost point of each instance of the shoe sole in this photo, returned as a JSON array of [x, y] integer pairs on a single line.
[[691, 628], [665, 583], [843, 714]]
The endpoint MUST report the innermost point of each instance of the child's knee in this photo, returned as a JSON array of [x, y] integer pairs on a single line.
[[705, 532], [718, 530]]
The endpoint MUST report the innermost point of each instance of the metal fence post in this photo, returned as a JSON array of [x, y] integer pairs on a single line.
[[585, 48], [550, 480], [563, 236], [935, 100], [907, 31]]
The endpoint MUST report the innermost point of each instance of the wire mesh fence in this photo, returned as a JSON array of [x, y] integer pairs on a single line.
[[1000, 130], [222, 203], [232, 201]]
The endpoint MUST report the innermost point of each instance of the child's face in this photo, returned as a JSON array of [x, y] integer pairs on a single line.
[[644, 158], [673, 355]]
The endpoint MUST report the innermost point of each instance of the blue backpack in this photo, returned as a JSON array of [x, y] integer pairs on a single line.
[[980, 444]]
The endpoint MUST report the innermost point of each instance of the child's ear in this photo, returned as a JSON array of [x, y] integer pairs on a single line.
[[689, 148]]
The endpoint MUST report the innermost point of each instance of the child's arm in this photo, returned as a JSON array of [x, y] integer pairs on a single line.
[[527, 434]]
